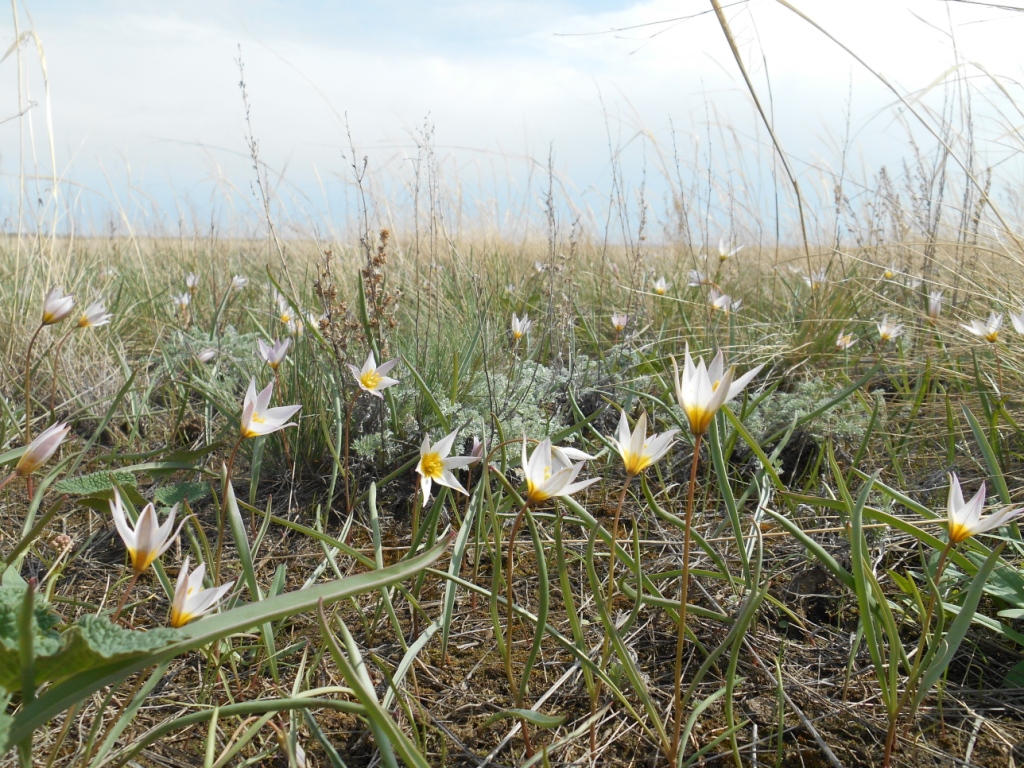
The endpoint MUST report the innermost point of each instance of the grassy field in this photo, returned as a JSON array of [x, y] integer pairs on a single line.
[[826, 610], [730, 483]]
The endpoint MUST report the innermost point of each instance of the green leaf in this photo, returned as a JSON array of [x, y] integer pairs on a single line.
[[205, 631], [45, 639], [533, 718], [1014, 678], [96, 483], [93, 642], [958, 629], [170, 495]]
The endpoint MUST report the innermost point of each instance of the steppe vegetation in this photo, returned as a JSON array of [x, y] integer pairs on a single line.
[[421, 497]]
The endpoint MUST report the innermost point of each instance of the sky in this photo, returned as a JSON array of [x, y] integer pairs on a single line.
[[149, 128]]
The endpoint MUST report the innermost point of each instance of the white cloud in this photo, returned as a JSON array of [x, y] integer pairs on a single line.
[[149, 84]]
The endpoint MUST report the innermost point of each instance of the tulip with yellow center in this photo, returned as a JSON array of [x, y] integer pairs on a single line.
[[889, 273], [94, 316], [520, 326], [661, 286], [371, 377], [181, 301], [701, 391], [284, 309], [724, 253], [619, 322], [888, 331], [965, 519], [988, 331], [190, 599], [258, 419], [816, 279], [148, 540], [845, 340], [192, 282], [549, 474], [41, 449], [435, 465], [273, 355], [638, 451], [56, 306]]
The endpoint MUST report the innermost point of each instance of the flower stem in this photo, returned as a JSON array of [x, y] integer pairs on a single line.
[[606, 644], [124, 597], [915, 672], [683, 596], [510, 564]]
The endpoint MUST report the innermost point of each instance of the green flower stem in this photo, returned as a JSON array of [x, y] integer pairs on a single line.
[[915, 672], [683, 595], [124, 597], [510, 564]]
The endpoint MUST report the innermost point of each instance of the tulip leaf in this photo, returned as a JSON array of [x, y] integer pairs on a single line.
[[958, 629], [533, 718]]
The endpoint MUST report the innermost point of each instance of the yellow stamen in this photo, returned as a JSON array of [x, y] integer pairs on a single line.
[[432, 466], [370, 379]]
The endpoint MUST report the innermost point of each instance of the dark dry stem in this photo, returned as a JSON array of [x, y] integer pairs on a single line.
[[683, 595], [510, 564]]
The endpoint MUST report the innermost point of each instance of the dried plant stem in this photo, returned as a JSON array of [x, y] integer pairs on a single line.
[[683, 595]]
